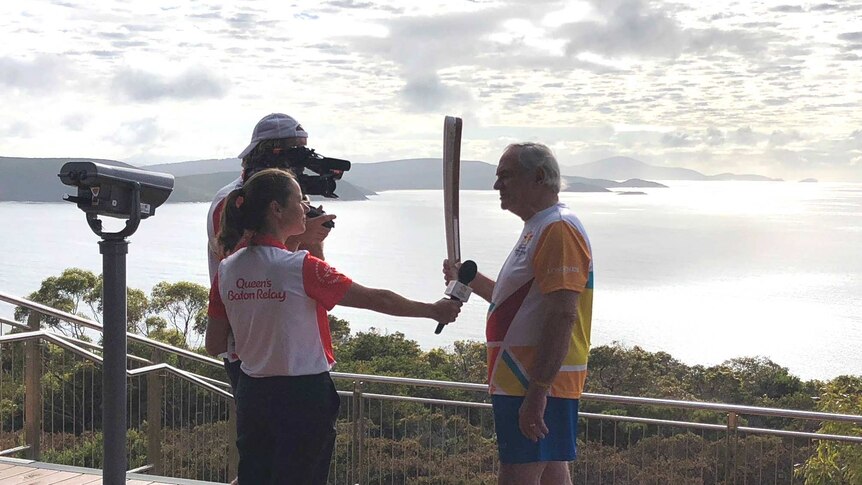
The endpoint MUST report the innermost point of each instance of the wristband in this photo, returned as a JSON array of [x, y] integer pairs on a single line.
[[538, 383]]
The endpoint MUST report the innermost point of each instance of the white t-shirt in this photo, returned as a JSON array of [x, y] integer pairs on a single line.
[[276, 302], [213, 223], [213, 226]]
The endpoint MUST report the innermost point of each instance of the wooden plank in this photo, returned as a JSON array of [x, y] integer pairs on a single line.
[[26, 472], [13, 471], [51, 478], [29, 475], [82, 479]]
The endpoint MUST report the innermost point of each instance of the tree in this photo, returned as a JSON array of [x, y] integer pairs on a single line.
[[373, 346], [762, 380], [469, 361], [185, 304], [835, 462], [137, 305], [615, 369], [340, 331], [65, 292]]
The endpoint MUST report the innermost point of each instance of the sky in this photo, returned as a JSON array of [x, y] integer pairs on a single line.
[[766, 87]]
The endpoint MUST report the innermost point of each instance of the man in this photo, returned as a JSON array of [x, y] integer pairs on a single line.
[[538, 324], [287, 132], [273, 132]]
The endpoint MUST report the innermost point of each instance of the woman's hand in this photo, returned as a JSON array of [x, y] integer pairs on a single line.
[[445, 310]]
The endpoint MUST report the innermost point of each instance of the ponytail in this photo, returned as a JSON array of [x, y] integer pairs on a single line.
[[245, 209], [232, 221]]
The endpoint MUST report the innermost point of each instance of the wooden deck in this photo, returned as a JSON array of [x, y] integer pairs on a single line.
[[26, 472]]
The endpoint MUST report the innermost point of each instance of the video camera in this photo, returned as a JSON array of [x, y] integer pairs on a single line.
[[298, 159]]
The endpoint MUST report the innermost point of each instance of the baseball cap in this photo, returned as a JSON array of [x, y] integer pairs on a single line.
[[273, 126]]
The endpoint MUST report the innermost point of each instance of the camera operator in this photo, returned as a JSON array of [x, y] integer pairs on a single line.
[[272, 136]]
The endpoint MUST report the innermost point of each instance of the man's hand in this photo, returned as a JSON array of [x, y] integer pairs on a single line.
[[450, 271], [531, 416]]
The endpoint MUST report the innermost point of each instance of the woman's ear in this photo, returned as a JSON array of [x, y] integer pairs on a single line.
[[274, 207]]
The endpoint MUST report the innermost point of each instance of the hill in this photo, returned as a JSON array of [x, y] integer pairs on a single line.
[[409, 174], [201, 188], [198, 167], [583, 184], [197, 180], [427, 174], [35, 180], [622, 168], [418, 174]]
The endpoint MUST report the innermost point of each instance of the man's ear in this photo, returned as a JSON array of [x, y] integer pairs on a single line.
[[540, 175]]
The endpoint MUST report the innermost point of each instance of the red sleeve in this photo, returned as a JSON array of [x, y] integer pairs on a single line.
[[216, 307], [323, 282]]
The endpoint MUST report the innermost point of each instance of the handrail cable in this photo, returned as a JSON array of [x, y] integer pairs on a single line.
[[608, 398]]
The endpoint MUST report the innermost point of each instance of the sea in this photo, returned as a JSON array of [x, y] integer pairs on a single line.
[[705, 271]]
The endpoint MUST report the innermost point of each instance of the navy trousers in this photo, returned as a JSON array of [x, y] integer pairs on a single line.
[[286, 429]]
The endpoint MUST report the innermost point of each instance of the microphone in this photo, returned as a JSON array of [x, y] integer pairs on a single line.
[[458, 290]]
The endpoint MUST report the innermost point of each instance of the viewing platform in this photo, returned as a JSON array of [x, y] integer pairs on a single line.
[[181, 424], [16, 471]]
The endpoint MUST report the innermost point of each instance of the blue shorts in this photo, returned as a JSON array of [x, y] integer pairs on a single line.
[[560, 444]]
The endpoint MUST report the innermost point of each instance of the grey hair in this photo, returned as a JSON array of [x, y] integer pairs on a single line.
[[533, 156]]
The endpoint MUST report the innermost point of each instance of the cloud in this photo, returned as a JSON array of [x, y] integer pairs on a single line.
[[854, 141], [823, 7], [74, 122], [421, 46], [427, 94], [745, 136], [350, 4], [142, 27], [16, 129], [243, 21], [851, 36], [780, 138], [519, 100], [641, 29], [140, 132], [107, 54], [677, 140], [714, 136], [194, 83], [42, 73], [787, 9], [781, 101]]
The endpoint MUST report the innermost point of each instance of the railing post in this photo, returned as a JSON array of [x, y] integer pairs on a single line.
[[33, 389], [233, 452], [731, 442], [358, 433], [154, 417]]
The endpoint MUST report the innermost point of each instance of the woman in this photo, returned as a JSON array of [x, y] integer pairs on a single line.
[[275, 302]]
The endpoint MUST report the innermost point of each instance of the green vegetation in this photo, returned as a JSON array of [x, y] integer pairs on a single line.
[[408, 442]]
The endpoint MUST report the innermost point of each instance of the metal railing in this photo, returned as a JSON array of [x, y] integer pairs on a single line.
[[390, 430]]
